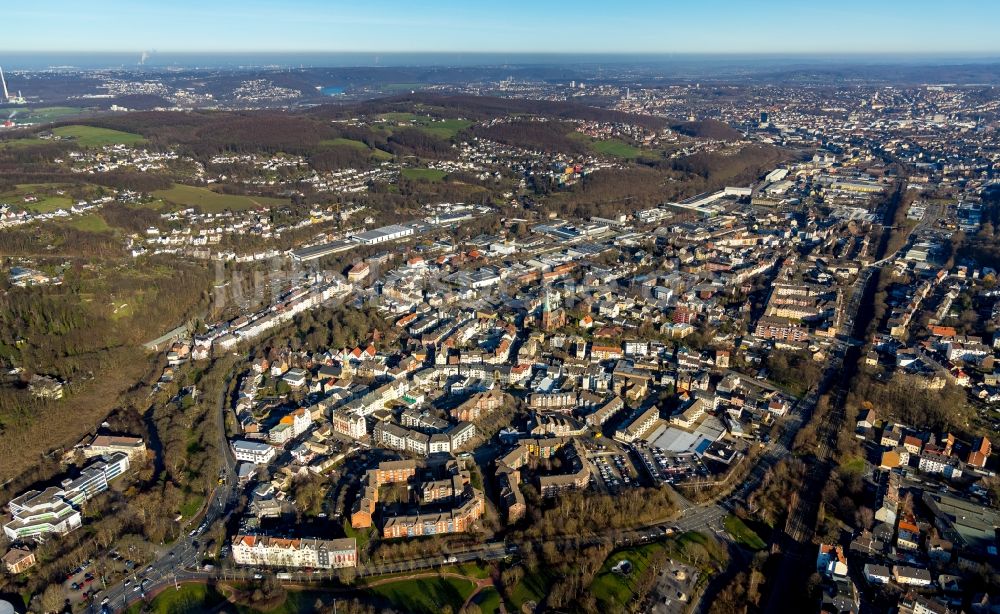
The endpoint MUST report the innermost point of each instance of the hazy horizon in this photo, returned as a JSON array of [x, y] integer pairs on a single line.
[[151, 60]]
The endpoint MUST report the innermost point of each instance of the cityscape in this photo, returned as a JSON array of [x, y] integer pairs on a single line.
[[611, 331]]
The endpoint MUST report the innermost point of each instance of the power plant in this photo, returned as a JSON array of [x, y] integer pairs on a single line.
[[7, 97]]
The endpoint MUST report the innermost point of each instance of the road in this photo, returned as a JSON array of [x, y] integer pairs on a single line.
[[796, 541], [180, 560]]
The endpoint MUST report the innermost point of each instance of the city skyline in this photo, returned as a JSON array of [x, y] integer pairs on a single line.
[[390, 26]]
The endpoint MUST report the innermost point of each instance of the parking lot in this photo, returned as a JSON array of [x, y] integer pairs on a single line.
[[670, 468], [616, 471]]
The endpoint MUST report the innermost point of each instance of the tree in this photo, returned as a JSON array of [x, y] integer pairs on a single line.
[[53, 598]]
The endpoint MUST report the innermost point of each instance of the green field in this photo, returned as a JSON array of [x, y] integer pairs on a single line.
[[48, 199], [89, 136], [91, 222], [533, 587], [615, 590], [359, 145], [443, 128], [19, 143], [488, 600], [214, 202], [401, 87], [427, 595], [611, 147], [340, 142], [190, 599], [743, 534], [42, 115], [424, 174], [619, 149]]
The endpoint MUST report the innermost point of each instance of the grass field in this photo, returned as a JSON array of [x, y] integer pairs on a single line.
[[191, 505], [424, 174], [48, 199], [43, 115], [488, 600], [359, 145], [533, 587], [615, 590], [340, 142], [214, 202], [401, 87], [428, 595], [611, 147], [743, 534], [89, 136], [90, 222], [618, 149], [190, 599], [443, 129], [18, 143]]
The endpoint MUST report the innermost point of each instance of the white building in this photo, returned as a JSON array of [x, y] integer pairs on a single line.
[[305, 552], [255, 452]]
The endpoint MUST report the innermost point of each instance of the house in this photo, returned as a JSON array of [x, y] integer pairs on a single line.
[[979, 453], [831, 561], [867, 419], [296, 378], [911, 576], [18, 559], [877, 574]]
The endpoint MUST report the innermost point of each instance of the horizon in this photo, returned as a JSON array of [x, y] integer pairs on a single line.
[[14, 61], [727, 27]]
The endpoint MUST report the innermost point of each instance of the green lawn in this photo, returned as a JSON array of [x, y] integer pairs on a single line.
[[611, 147], [533, 587], [441, 128], [424, 174], [90, 136], [359, 145], [615, 590], [26, 142], [43, 115], [617, 148], [339, 142], [488, 600], [214, 202], [428, 595], [90, 222], [743, 534], [48, 199], [445, 129], [363, 536], [191, 505], [190, 599], [853, 464]]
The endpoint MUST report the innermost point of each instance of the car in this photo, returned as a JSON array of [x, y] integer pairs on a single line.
[[136, 589], [75, 586], [127, 582], [149, 569], [257, 576]]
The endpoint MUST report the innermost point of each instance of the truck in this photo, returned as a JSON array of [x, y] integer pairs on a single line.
[[283, 576]]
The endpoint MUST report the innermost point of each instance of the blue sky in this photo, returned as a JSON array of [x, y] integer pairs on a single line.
[[608, 26]]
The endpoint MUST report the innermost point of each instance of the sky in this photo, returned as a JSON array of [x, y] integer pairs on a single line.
[[579, 26]]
